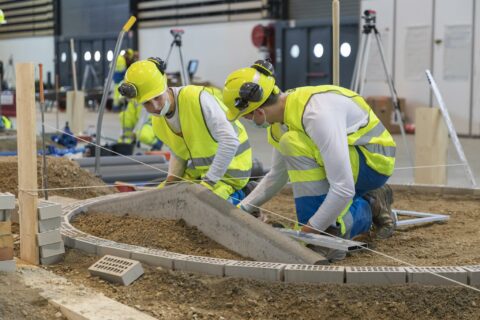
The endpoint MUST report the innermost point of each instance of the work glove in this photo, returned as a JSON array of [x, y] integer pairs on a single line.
[[256, 213]]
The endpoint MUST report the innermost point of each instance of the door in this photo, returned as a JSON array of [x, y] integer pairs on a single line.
[[452, 57], [296, 56], [320, 55], [348, 50]]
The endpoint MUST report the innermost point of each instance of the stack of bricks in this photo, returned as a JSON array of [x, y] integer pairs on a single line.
[[49, 239], [7, 262]]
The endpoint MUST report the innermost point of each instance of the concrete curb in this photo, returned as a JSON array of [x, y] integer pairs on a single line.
[[267, 271]]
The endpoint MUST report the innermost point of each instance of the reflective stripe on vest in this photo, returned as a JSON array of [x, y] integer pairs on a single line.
[[196, 145]]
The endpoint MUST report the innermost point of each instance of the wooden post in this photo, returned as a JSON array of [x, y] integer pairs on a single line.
[[27, 161], [336, 42], [431, 143]]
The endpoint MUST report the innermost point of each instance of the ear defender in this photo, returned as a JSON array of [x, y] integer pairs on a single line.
[[251, 91], [128, 90], [161, 65], [264, 67]]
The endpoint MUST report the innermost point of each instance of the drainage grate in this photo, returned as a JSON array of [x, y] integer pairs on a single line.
[[116, 269]]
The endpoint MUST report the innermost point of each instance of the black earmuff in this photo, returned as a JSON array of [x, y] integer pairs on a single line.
[[265, 67], [161, 65], [128, 90], [251, 91]]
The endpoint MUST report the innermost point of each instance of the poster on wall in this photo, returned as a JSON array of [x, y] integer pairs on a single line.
[[417, 52], [457, 53]]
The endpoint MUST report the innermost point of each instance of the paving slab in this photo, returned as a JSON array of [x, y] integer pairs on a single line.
[[375, 275], [423, 275], [267, 271], [77, 303], [314, 273]]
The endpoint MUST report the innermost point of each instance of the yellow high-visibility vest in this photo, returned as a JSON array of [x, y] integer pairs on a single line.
[[196, 145]]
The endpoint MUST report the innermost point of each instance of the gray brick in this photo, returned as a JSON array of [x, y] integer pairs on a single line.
[[268, 271], [7, 201], [48, 210], [53, 249], [114, 249], [116, 269], [8, 266], [51, 260], [314, 273], [48, 237], [199, 264], [473, 275], [422, 275], [375, 275], [85, 244], [155, 257], [49, 224]]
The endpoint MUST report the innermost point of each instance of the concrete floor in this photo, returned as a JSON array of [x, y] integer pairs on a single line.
[[262, 150]]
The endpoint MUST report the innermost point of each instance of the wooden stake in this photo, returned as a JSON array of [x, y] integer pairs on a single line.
[[27, 161], [336, 42]]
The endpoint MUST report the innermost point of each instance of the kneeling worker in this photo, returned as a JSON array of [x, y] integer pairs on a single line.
[[328, 142], [192, 123]]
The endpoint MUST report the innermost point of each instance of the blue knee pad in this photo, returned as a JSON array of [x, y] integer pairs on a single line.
[[362, 216], [236, 197]]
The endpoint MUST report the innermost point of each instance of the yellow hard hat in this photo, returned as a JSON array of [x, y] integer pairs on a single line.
[[129, 53], [144, 80], [2, 17], [247, 89]]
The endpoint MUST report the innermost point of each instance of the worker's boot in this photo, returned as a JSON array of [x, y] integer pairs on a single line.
[[381, 200]]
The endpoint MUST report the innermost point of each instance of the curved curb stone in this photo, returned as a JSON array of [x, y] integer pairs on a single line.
[[268, 271]]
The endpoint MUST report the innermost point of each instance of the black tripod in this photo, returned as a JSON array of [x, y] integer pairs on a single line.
[[359, 73], [177, 41]]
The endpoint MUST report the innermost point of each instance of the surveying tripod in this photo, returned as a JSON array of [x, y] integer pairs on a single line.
[[177, 41], [360, 70]]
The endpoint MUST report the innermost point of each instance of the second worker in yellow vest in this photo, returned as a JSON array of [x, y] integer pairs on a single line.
[[205, 146], [328, 143]]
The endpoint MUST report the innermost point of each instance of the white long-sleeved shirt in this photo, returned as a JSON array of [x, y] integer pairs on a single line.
[[221, 130], [328, 119]]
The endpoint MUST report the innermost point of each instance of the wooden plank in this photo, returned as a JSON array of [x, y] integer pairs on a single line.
[[6, 241], [431, 143], [5, 227], [76, 111], [27, 161]]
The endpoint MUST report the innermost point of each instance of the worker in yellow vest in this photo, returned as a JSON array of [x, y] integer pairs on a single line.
[[123, 62], [205, 146], [328, 142], [136, 126], [5, 123]]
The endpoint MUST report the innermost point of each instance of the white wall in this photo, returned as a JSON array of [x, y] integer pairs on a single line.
[[219, 47], [476, 74], [413, 57], [33, 49]]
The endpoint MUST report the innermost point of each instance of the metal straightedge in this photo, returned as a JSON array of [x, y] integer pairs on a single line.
[[420, 217], [324, 241]]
